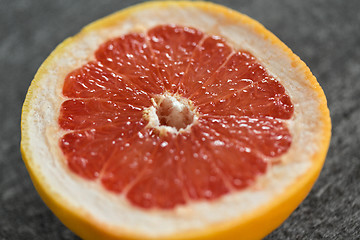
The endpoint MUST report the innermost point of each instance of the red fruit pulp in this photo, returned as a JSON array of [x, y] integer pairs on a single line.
[[239, 128]]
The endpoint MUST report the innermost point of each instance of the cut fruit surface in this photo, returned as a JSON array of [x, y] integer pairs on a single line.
[[237, 131], [174, 120]]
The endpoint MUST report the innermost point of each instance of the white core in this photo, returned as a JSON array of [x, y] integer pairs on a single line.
[[171, 113]]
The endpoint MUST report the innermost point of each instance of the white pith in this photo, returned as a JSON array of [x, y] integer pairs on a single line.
[[114, 210]]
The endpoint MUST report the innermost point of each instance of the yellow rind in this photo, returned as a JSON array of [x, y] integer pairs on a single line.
[[268, 217]]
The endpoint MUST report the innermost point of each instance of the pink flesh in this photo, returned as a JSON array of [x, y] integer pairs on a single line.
[[240, 129]]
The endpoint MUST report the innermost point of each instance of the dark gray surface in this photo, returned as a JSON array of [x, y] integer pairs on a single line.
[[325, 34]]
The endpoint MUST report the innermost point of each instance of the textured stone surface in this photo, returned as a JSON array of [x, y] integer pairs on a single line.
[[324, 33]]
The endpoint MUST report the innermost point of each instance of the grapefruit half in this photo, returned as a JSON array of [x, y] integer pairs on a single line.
[[174, 120]]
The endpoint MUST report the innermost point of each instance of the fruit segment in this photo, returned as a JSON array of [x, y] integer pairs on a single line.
[[266, 98], [173, 48], [87, 113], [95, 81], [236, 129], [160, 184], [201, 177], [207, 58], [130, 56], [240, 71]]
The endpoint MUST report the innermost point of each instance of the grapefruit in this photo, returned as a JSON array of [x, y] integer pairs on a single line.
[[174, 120]]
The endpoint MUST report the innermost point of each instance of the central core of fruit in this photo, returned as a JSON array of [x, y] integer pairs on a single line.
[[174, 111]]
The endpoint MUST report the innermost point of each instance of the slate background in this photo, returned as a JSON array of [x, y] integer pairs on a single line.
[[324, 33]]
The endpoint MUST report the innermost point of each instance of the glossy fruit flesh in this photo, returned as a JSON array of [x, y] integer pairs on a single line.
[[239, 127]]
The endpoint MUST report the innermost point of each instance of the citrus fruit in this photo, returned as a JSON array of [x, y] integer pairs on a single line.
[[174, 120]]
